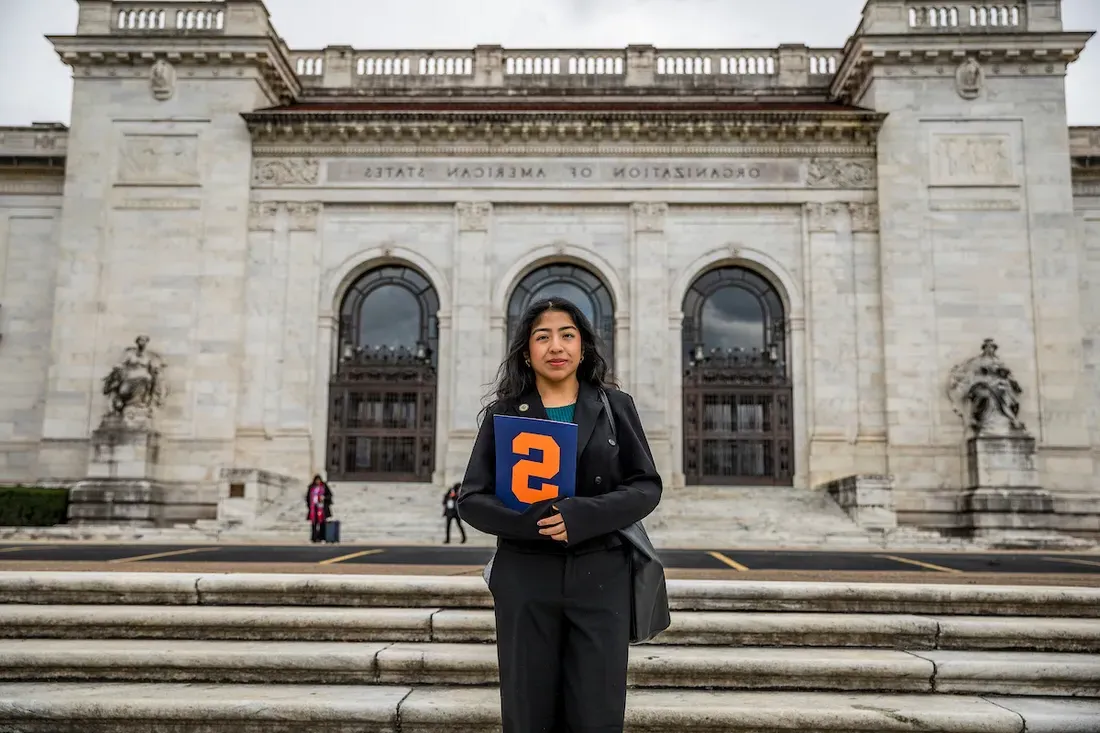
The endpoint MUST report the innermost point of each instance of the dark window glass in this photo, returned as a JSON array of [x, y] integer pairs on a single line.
[[389, 316], [733, 318]]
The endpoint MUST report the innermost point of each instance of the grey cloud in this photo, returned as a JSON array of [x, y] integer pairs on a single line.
[[34, 85]]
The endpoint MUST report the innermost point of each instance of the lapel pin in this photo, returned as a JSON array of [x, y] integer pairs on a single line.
[[523, 407]]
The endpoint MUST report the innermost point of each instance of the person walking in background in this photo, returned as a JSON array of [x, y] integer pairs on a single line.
[[450, 511], [318, 508], [561, 578]]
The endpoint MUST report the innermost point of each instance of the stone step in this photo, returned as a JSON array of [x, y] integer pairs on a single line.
[[410, 591], [433, 624], [410, 663], [208, 708]]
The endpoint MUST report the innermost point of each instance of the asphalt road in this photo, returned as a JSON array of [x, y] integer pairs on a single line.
[[1033, 563]]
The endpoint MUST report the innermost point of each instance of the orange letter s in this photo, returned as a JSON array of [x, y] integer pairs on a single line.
[[522, 472]]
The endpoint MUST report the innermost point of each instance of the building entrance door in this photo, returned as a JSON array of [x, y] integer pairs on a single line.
[[737, 390], [382, 393]]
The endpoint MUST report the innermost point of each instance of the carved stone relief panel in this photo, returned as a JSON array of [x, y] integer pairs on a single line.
[[841, 173], [154, 160], [972, 159], [162, 80], [285, 172]]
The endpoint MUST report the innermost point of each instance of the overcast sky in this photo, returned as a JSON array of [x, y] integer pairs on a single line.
[[35, 85]]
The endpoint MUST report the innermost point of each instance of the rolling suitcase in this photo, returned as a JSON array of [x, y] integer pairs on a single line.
[[332, 531]]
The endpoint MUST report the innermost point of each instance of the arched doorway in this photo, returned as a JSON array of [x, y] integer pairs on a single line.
[[576, 284], [737, 387], [382, 392]]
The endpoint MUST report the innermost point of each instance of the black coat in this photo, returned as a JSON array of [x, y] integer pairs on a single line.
[[617, 481]]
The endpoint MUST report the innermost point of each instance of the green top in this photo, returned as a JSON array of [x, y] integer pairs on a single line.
[[561, 414]]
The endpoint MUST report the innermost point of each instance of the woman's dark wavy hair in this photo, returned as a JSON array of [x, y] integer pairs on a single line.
[[515, 378]]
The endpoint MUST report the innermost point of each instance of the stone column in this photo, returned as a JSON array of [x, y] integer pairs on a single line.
[[832, 360], [258, 287], [867, 315], [649, 357], [324, 361], [675, 399], [470, 329]]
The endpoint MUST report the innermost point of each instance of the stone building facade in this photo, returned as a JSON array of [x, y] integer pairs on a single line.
[[785, 250]]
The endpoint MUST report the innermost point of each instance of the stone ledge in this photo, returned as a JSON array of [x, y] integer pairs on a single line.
[[252, 589], [434, 664], [207, 708], [875, 631]]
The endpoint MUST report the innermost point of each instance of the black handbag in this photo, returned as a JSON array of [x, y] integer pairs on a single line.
[[649, 611]]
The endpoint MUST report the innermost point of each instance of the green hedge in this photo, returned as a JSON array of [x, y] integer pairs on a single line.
[[27, 506]]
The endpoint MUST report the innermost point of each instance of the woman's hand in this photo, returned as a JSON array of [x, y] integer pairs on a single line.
[[554, 527]]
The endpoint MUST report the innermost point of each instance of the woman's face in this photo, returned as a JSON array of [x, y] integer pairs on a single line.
[[554, 347]]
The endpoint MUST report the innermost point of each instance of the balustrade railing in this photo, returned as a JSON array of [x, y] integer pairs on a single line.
[[168, 17], [966, 17]]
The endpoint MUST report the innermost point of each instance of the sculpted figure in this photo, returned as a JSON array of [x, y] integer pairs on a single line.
[[136, 386], [984, 391], [162, 78], [968, 79]]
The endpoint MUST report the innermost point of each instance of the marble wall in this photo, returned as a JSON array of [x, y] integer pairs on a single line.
[[978, 240], [28, 268]]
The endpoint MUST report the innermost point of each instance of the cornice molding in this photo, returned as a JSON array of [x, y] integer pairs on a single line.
[[54, 187], [847, 133], [84, 53], [1034, 51]]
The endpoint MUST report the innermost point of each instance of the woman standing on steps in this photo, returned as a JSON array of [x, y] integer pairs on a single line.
[[318, 508], [561, 578]]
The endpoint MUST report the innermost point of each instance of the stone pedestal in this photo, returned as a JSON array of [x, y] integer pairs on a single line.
[[867, 499], [244, 493], [121, 487], [1003, 496]]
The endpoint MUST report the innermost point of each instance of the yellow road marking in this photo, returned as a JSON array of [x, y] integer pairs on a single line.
[[352, 556], [918, 563], [1074, 560], [165, 554], [723, 559], [24, 547]]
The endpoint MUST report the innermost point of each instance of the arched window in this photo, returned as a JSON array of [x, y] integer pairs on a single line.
[[382, 393], [573, 283], [737, 393], [390, 311], [735, 314]]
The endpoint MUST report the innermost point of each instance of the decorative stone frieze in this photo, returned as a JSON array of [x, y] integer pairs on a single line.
[[473, 217], [649, 217], [834, 173], [804, 133], [939, 55], [864, 217], [303, 216], [822, 217], [190, 56], [285, 172], [261, 215]]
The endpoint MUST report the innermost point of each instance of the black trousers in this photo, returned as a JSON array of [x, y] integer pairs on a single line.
[[317, 531], [563, 639], [454, 518]]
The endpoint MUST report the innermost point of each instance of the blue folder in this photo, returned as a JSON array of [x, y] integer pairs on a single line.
[[536, 460]]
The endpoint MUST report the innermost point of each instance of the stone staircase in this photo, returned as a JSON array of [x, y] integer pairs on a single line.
[[691, 517], [194, 653]]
